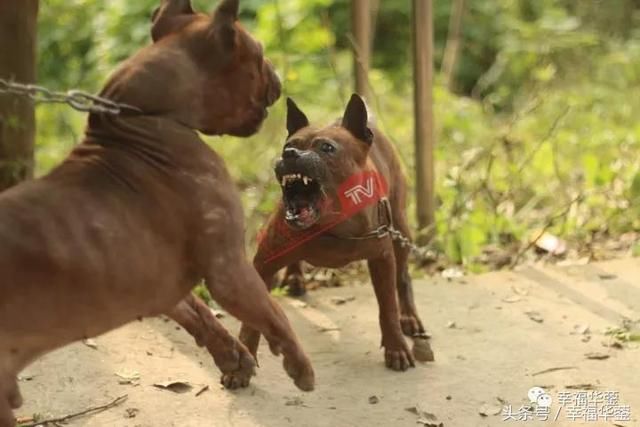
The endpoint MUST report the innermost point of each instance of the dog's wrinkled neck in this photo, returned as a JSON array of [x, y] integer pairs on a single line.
[[160, 82]]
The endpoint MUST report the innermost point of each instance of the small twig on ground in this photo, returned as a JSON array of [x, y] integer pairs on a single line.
[[92, 410], [202, 390], [559, 368]]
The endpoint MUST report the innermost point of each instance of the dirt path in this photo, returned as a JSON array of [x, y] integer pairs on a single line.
[[493, 350]]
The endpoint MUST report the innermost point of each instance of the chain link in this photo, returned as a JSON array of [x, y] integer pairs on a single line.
[[422, 252], [76, 99]]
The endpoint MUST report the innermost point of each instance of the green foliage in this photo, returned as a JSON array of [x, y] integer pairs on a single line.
[[202, 292], [541, 130]]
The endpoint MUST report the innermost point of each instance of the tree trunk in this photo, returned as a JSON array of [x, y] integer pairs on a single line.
[[423, 111], [18, 24], [361, 29], [452, 48]]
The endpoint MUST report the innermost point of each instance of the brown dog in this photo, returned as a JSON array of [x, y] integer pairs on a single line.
[[142, 209], [342, 186]]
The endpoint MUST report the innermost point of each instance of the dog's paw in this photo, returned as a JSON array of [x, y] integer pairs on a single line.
[[299, 368], [294, 284], [412, 326], [398, 358], [238, 374]]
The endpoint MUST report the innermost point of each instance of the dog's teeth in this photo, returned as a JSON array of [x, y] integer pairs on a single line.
[[284, 181], [305, 179]]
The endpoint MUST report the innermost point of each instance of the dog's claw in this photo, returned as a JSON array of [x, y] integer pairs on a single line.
[[240, 376], [301, 371], [235, 381]]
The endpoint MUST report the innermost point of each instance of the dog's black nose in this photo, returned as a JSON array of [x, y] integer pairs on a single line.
[[290, 153]]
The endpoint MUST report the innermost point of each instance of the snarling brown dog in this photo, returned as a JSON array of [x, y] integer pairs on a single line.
[[142, 209], [342, 186]]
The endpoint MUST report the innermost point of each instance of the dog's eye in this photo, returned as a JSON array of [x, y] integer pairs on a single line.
[[328, 147]]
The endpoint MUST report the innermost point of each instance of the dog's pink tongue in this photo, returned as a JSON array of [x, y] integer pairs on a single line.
[[306, 215]]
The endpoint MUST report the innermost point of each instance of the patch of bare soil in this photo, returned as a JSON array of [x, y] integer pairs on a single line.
[[495, 337]]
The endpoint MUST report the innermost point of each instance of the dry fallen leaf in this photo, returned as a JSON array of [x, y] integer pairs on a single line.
[[581, 330], [429, 423], [489, 409], [511, 299], [427, 419], [175, 386], [451, 325], [90, 342], [614, 343], [342, 300], [520, 291], [296, 401], [131, 412], [535, 316], [374, 399], [128, 378], [597, 356]]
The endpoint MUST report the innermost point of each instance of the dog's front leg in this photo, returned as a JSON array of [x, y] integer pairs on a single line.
[[244, 294], [231, 356], [248, 335], [6, 414], [397, 355], [10, 399]]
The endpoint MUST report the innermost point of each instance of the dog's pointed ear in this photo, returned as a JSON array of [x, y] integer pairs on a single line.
[[356, 119], [296, 119], [224, 18], [230, 8], [162, 17]]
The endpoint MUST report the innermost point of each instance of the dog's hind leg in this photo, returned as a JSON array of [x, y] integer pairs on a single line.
[[294, 280], [409, 319], [230, 355], [242, 292]]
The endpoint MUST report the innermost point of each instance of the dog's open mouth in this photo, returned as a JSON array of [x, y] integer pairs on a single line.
[[301, 196]]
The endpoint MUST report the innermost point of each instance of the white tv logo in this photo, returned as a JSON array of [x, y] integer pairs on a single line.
[[357, 192]]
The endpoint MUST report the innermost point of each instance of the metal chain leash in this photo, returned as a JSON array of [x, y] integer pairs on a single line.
[[76, 99], [421, 252]]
